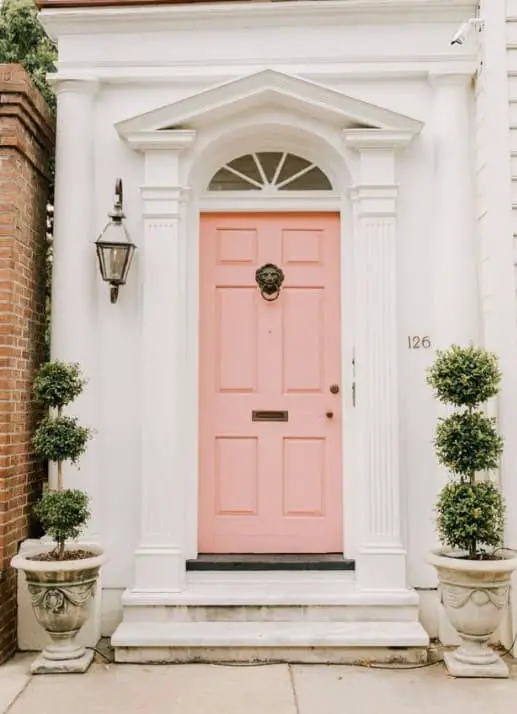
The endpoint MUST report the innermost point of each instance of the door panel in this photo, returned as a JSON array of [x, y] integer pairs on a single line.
[[269, 486]]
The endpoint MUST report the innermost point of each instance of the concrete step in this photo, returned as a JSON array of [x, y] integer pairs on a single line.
[[270, 613], [330, 642], [254, 588]]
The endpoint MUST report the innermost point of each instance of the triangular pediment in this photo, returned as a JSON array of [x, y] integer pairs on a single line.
[[269, 88]]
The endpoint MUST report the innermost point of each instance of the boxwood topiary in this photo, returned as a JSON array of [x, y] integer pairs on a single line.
[[470, 511], [59, 438]]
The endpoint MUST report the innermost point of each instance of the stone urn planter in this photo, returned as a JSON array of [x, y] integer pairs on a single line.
[[61, 580], [474, 595], [61, 594], [474, 569]]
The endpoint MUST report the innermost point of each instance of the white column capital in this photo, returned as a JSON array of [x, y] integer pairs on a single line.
[[378, 154], [380, 139], [88, 86], [163, 202], [450, 79], [160, 140], [371, 200]]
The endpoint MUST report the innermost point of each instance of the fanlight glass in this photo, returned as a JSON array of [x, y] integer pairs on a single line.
[[270, 170]]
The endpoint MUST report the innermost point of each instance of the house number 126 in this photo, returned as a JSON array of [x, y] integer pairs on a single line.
[[415, 342]]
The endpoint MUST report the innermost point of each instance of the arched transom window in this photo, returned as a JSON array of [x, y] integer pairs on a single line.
[[270, 171]]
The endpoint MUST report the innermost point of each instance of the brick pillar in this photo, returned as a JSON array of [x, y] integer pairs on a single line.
[[26, 143]]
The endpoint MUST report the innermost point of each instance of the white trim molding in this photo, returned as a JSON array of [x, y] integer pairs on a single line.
[[381, 559], [323, 70], [115, 20], [249, 201], [160, 556]]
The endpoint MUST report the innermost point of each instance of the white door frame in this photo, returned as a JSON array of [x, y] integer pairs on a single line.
[[361, 165], [302, 202]]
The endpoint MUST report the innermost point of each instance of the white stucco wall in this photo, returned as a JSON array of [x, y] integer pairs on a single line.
[[143, 64]]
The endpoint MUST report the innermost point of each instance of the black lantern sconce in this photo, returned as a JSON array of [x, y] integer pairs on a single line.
[[114, 247]]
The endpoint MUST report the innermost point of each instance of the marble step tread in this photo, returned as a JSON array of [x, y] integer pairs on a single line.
[[270, 634]]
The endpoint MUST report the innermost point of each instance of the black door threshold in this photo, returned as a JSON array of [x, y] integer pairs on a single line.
[[228, 561]]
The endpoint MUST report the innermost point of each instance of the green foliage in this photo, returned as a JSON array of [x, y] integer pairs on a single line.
[[465, 376], [23, 40], [469, 515], [60, 439], [63, 514], [467, 442], [58, 384]]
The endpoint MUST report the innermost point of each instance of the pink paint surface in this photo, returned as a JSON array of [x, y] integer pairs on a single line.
[[271, 487]]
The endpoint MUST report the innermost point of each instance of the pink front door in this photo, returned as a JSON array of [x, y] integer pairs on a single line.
[[270, 486]]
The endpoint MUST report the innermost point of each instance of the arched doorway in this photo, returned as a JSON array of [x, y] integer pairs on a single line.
[[270, 365]]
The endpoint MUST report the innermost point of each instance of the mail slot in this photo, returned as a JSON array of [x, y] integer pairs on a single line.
[[269, 416]]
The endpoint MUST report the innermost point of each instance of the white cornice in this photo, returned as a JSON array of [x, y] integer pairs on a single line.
[[311, 68], [110, 20]]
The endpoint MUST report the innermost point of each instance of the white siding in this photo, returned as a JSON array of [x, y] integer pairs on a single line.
[[511, 68]]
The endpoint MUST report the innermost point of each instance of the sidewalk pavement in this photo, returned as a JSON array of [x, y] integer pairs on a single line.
[[273, 689]]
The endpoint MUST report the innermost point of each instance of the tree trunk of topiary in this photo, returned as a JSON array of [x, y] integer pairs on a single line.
[[61, 548], [473, 542]]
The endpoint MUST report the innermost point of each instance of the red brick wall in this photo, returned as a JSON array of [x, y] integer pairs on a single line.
[[26, 142]]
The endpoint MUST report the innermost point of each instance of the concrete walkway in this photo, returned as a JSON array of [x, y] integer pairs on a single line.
[[275, 689]]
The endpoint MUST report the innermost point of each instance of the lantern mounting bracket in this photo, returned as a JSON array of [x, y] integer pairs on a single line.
[[117, 214]]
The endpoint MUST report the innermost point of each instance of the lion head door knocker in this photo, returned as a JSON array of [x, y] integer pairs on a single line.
[[269, 280]]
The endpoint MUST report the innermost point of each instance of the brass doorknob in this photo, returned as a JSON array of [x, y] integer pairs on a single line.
[[334, 389], [329, 415]]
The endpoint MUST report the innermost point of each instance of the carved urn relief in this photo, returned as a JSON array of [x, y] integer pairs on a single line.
[[61, 595]]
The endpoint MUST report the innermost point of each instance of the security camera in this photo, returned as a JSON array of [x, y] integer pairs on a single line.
[[475, 23]]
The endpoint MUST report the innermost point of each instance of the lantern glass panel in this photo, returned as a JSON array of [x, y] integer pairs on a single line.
[[115, 253], [116, 262]]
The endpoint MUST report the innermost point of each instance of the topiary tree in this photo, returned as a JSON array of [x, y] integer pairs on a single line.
[[470, 512], [59, 438]]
